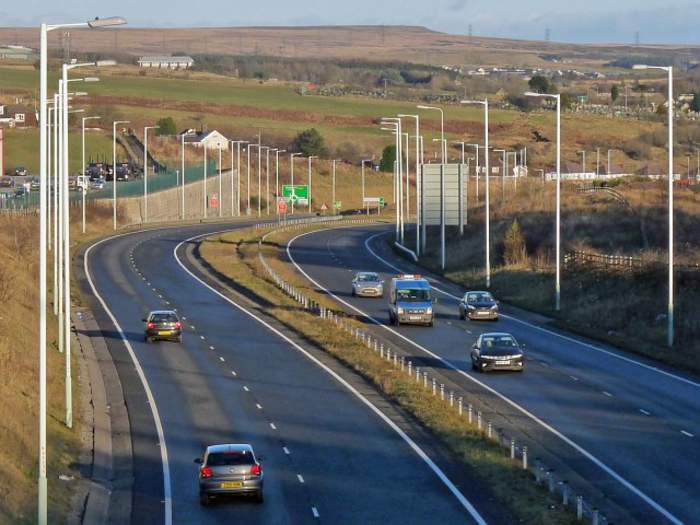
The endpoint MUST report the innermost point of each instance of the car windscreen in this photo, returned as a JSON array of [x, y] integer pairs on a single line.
[[412, 295], [237, 457], [367, 277], [479, 297], [163, 318], [496, 344]]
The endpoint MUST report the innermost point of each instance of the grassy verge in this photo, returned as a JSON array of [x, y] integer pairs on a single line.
[[235, 255]]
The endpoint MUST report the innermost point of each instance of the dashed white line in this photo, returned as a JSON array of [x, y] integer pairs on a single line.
[[233, 373], [211, 348], [246, 388], [272, 426], [259, 406], [192, 327], [315, 512], [645, 412], [286, 450], [606, 393], [201, 337], [574, 378], [221, 359], [686, 433], [300, 478]]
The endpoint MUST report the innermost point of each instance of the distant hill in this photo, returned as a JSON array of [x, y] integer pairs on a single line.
[[382, 43]]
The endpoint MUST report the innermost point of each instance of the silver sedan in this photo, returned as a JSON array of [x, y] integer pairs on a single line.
[[367, 284]]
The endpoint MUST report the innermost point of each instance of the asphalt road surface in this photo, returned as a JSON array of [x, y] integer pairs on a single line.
[[613, 420], [328, 457]]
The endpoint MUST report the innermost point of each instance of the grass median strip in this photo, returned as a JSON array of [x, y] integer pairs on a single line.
[[236, 256]]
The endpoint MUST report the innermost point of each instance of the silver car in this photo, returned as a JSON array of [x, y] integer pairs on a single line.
[[367, 284], [229, 469]]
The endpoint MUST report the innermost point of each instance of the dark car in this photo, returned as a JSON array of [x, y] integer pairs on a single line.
[[478, 305], [7, 182], [497, 351], [229, 469], [164, 325], [34, 184], [20, 171], [21, 193]]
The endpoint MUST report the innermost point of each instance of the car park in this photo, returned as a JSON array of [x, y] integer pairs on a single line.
[[410, 300], [98, 183], [478, 305], [497, 351], [163, 325], [367, 284], [229, 470]]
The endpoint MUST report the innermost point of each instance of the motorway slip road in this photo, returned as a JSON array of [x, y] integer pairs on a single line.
[[328, 456], [611, 421]]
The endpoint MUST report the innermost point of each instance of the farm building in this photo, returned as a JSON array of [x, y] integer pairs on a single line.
[[166, 62], [212, 139], [17, 53]]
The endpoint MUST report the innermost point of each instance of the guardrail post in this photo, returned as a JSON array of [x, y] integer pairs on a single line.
[[434, 386], [452, 398], [595, 517], [460, 402], [565, 493], [470, 412], [410, 372], [403, 363], [524, 457], [442, 391], [381, 350], [425, 379], [489, 428], [395, 360], [512, 448], [478, 419], [550, 480], [579, 508]]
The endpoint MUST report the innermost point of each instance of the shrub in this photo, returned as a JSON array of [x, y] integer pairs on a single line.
[[514, 250], [166, 126], [310, 142]]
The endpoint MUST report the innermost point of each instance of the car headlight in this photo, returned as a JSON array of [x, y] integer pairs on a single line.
[[494, 307], [429, 310], [399, 310]]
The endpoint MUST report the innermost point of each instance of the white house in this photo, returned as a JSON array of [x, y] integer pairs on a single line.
[[211, 138], [166, 62]]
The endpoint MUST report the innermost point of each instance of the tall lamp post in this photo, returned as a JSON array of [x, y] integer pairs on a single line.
[[291, 176], [145, 170], [114, 170], [238, 175], [557, 284], [442, 128], [42, 489], [669, 70], [84, 119], [419, 189], [395, 127], [277, 175], [487, 250], [583, 161], [309, 159]]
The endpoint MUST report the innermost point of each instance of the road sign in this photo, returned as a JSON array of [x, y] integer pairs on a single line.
[[214, 200], [297, 194], [324, 207], [382, 202], [281, 206], [337, 205], [431, 193]]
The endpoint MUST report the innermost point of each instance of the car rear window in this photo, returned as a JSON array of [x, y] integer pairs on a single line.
[[163, 318], [238, 457]]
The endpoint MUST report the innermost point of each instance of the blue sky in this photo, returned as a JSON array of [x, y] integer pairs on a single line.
[[598, 21]]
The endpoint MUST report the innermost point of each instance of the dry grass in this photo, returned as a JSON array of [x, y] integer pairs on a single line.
[[235, 255]]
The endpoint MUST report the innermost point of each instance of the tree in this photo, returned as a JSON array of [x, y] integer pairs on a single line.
[[166, 126], [566, 100], [614, 93], [514, 250], [695, 103], [310, 142], [539, 84], [388, 158]]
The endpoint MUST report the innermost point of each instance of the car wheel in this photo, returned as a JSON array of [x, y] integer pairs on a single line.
[[430, 324], [204, 499], [259, 498], [353, 292], [475, 366]]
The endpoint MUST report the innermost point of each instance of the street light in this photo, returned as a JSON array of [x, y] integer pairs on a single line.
[[395, 127], [114, 170], [333, 188], [145, 170], [42, 489], [277, 175], [504, 163], [485, 103], [309, 158], [83, 164], [238, 175], [291, 174], [668, 69], [557, 285], [583, 161], [419, 189], [476, 168], [442, 128]]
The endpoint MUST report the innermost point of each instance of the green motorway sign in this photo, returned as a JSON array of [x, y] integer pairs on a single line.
[[297, 194]]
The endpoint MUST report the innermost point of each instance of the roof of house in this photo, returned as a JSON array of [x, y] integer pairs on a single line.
[[166, 59], [200, 136]]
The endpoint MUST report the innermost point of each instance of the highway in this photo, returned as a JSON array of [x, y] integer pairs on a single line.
[[330, 452], [610, 420]]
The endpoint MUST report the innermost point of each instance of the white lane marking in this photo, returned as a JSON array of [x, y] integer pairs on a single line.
[[645, 412], [246, 388], [221, 359], [286, 450], [606, 393], [315, 512], [550, 332], [167, 495], [272, 426], [201, 337], [574, 378], [512, 403], [414, 446], [211, 347], [233, 373], [183, 317], [258, 406], [192, 327], [686, 433], [300, 478]]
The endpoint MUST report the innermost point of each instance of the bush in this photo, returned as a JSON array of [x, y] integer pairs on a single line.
[[636, 149], [388, 157], [514, 250], [310, 142], [524, 103], [539, 84], [166, 126]]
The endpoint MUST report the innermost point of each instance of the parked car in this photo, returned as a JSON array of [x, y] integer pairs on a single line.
[[229, 469], [98, 183], [7, 182], [34, 184], [163, 325], [478, 305], [497, 351], [21, 193], [20, 171], [367, 284]]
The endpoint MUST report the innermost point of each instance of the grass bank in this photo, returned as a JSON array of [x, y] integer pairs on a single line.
[[235, 255]]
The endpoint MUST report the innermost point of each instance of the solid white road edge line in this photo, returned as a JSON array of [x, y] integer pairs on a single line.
[[545, 330], [167, 494], [512, 403], [419, 451]]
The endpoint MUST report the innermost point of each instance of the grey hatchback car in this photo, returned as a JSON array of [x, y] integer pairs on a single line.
[[367, 284], [229, 469]]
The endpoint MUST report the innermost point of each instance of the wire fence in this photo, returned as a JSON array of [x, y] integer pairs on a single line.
[[580, 259], [465, 405]]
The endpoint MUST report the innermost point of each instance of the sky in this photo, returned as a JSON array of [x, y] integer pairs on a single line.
[[598, 21]]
